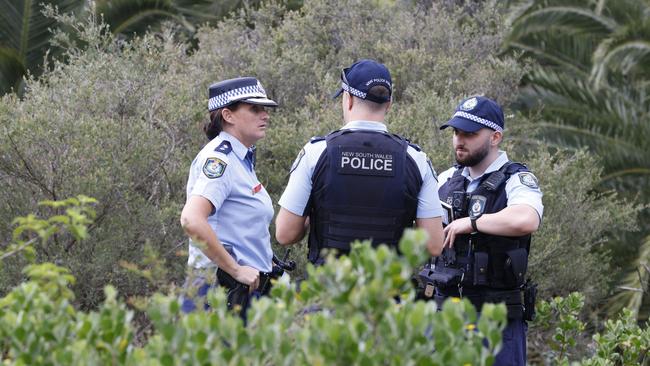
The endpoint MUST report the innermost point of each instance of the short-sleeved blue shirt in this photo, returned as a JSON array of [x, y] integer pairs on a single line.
[[516, 191], [242, 208], [298, 190]]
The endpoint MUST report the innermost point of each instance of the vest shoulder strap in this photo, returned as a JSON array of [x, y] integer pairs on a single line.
[[494, 180]]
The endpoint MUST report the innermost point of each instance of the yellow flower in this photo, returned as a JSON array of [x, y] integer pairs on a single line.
[[470, 327]]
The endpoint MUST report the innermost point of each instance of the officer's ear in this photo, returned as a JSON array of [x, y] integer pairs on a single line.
[[348, 102], [226, 114], [388, 105], [496, 138]]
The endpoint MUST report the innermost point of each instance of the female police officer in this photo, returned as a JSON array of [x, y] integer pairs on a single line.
[[228, 211]]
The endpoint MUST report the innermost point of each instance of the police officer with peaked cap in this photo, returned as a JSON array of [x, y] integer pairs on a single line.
[[228, 211], [496, 204], [360, 182]]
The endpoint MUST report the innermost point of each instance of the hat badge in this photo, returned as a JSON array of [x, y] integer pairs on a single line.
[[469, 104]]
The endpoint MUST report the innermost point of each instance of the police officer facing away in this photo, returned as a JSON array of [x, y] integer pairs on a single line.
[[497, 204], [360, 182]]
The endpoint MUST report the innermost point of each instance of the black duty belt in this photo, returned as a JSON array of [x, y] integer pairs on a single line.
[[229, 282], [512, 299]]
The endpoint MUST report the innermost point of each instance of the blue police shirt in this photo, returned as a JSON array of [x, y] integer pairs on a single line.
[[296, 194], [242, 208], [521, 188]]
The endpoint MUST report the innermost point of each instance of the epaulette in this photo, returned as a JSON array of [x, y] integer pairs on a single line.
[[316, 139], [415, 146], [224, 147], [514, 167]]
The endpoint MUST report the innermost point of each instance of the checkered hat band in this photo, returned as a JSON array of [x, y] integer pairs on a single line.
[[353, 91], [252, 91], [483, 121]]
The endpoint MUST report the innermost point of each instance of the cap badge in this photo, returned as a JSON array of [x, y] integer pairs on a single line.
[[469, 104]]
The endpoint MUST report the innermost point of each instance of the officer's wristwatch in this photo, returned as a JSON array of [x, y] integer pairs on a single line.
[[472, 220]]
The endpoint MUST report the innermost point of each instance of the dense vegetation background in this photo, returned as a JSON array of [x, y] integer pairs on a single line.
[[118, 117]]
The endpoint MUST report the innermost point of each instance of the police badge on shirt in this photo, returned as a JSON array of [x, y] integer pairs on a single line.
[[214, 167], [529, 180]]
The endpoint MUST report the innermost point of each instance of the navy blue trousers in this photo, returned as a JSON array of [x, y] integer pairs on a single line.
[[514, 344], [189, 304]]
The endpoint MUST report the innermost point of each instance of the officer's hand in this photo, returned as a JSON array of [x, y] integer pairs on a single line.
[[248, 276], [456, 227]]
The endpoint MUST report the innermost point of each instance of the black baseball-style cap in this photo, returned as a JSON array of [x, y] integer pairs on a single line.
[[475, 113], [363, 75]]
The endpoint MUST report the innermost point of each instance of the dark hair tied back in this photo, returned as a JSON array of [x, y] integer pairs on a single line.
[[215, 126]]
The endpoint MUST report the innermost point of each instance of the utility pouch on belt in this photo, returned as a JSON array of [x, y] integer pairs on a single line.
[[516, 265], [480, 269], [530, 297], [446, 276], [237, 292]]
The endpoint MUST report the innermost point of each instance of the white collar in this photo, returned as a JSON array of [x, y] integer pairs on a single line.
[[239, 148], [365, 125], [500, 161]]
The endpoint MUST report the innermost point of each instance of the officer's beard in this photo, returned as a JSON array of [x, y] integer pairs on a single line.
[[476, 157]]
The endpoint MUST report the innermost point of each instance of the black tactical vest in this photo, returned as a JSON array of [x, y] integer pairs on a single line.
[[365, 186], [484, 261]]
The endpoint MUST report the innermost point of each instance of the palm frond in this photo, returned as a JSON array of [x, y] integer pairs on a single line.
[[566, 19], [11, 69], [624, 58], [26, 30], [134, 16], [635, 285]]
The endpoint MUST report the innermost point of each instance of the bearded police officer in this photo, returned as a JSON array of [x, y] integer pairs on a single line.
[[496, 205], [360, 182]]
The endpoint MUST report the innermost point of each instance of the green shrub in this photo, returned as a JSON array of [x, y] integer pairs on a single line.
[[121, 121], [621, 342], [359, 321]]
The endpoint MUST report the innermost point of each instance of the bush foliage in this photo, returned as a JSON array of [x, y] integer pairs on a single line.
[[347, 312], [121, 121], [356, 309]]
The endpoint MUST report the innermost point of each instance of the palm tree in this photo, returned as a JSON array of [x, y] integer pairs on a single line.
[[128, 17], [24, 38], [591, 85], [25, 31]]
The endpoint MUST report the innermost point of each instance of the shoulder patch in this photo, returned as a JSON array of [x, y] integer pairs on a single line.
[[297, 161], [224, 147], [529, 180], [316, 139], [214, 167], [433, 172]]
